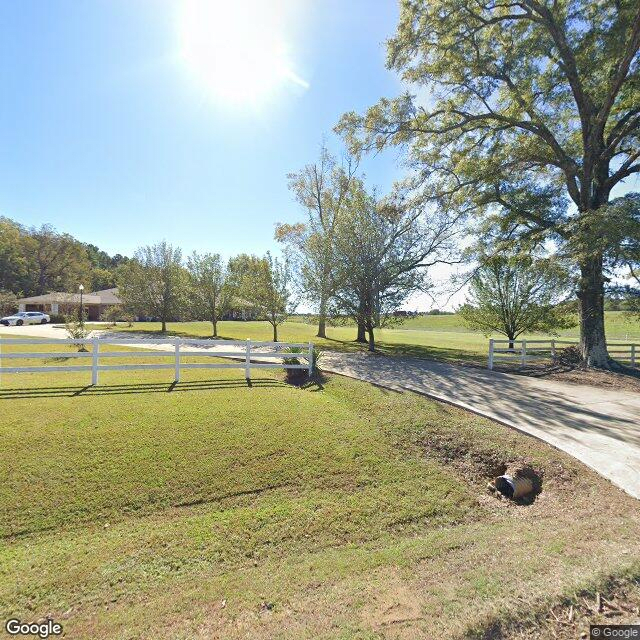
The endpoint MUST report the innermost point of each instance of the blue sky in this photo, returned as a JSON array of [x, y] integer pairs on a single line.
[[114, 125], [108, 134]]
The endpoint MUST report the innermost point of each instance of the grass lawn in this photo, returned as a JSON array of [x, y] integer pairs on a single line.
[[442, 337], [210, 509]]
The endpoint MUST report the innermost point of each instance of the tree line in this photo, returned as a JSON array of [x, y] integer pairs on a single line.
[[160, 284], [35, 261]]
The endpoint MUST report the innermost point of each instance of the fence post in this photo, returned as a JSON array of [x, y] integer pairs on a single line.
[[94, 363], [633, 355], [247, 361], [523, 353], [553, 349], [177, 373], [491, 353], [310, 358]]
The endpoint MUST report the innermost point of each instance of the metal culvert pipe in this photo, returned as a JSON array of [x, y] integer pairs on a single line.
[[513, 487]]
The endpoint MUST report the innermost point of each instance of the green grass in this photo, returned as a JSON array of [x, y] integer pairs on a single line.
[[143, 509], [443, 337]]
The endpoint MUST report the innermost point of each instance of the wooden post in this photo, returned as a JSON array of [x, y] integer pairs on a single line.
[[177, 372], [310, 358], [553, 349], [94, 367], [523, 353], [633, 355], [247, 361], [491, 353]]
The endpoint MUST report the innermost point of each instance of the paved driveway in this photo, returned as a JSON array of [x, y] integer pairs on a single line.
[[599, 427]]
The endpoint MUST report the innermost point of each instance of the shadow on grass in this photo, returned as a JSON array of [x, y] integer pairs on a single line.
[[315, 382], [142, 387]]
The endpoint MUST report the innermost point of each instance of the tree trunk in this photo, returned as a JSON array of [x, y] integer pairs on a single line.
[[275, 333], [322, 328], [214, 322], [372, 342], [511, 341], [164, 326], [322, 320], [362, 333], [593, 344]]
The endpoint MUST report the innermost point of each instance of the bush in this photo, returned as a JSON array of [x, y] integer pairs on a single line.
[[117, 313], [299, 376], [57, 318], [113, 314]]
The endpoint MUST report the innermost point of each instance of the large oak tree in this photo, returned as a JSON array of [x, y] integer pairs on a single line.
[[528, 117]]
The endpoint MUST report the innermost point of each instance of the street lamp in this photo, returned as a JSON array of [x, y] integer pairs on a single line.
[[81, 287]]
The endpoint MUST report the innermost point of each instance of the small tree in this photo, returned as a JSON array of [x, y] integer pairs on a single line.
[[210, 294], [323, 190], [268, 286], [76, 330], [382, 251], [512, 295], [114, 313], [154, 283]]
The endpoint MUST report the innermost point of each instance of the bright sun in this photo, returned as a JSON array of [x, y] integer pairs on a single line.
[[237, 49]]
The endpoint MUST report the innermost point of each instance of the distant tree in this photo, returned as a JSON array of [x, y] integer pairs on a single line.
[[8, 302], [322, 189], [56, 261], [154, 283], [209, 292], [383, 249], [512, 295], [102, 278], [267, 284], [14, 274]]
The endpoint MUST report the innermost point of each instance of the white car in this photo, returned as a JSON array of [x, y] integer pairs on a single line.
[[25, 317]]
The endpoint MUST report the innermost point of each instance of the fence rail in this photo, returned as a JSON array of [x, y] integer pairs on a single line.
[[248, 353], [522, 352]]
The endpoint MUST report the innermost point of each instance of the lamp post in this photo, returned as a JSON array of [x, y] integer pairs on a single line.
[[81, 287]]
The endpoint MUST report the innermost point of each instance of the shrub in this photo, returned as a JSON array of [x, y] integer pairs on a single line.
[[299, 376], [113, 314]]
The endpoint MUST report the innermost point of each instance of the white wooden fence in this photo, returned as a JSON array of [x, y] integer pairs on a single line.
[[526, 351], [246, 350]]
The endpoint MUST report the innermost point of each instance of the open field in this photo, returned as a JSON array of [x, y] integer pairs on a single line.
[[142, 509], [439, 337]]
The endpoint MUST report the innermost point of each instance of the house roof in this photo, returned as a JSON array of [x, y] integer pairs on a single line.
[[61, 298], [106, 296]]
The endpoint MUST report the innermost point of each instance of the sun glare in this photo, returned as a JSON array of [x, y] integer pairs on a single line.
[[237, 50]]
